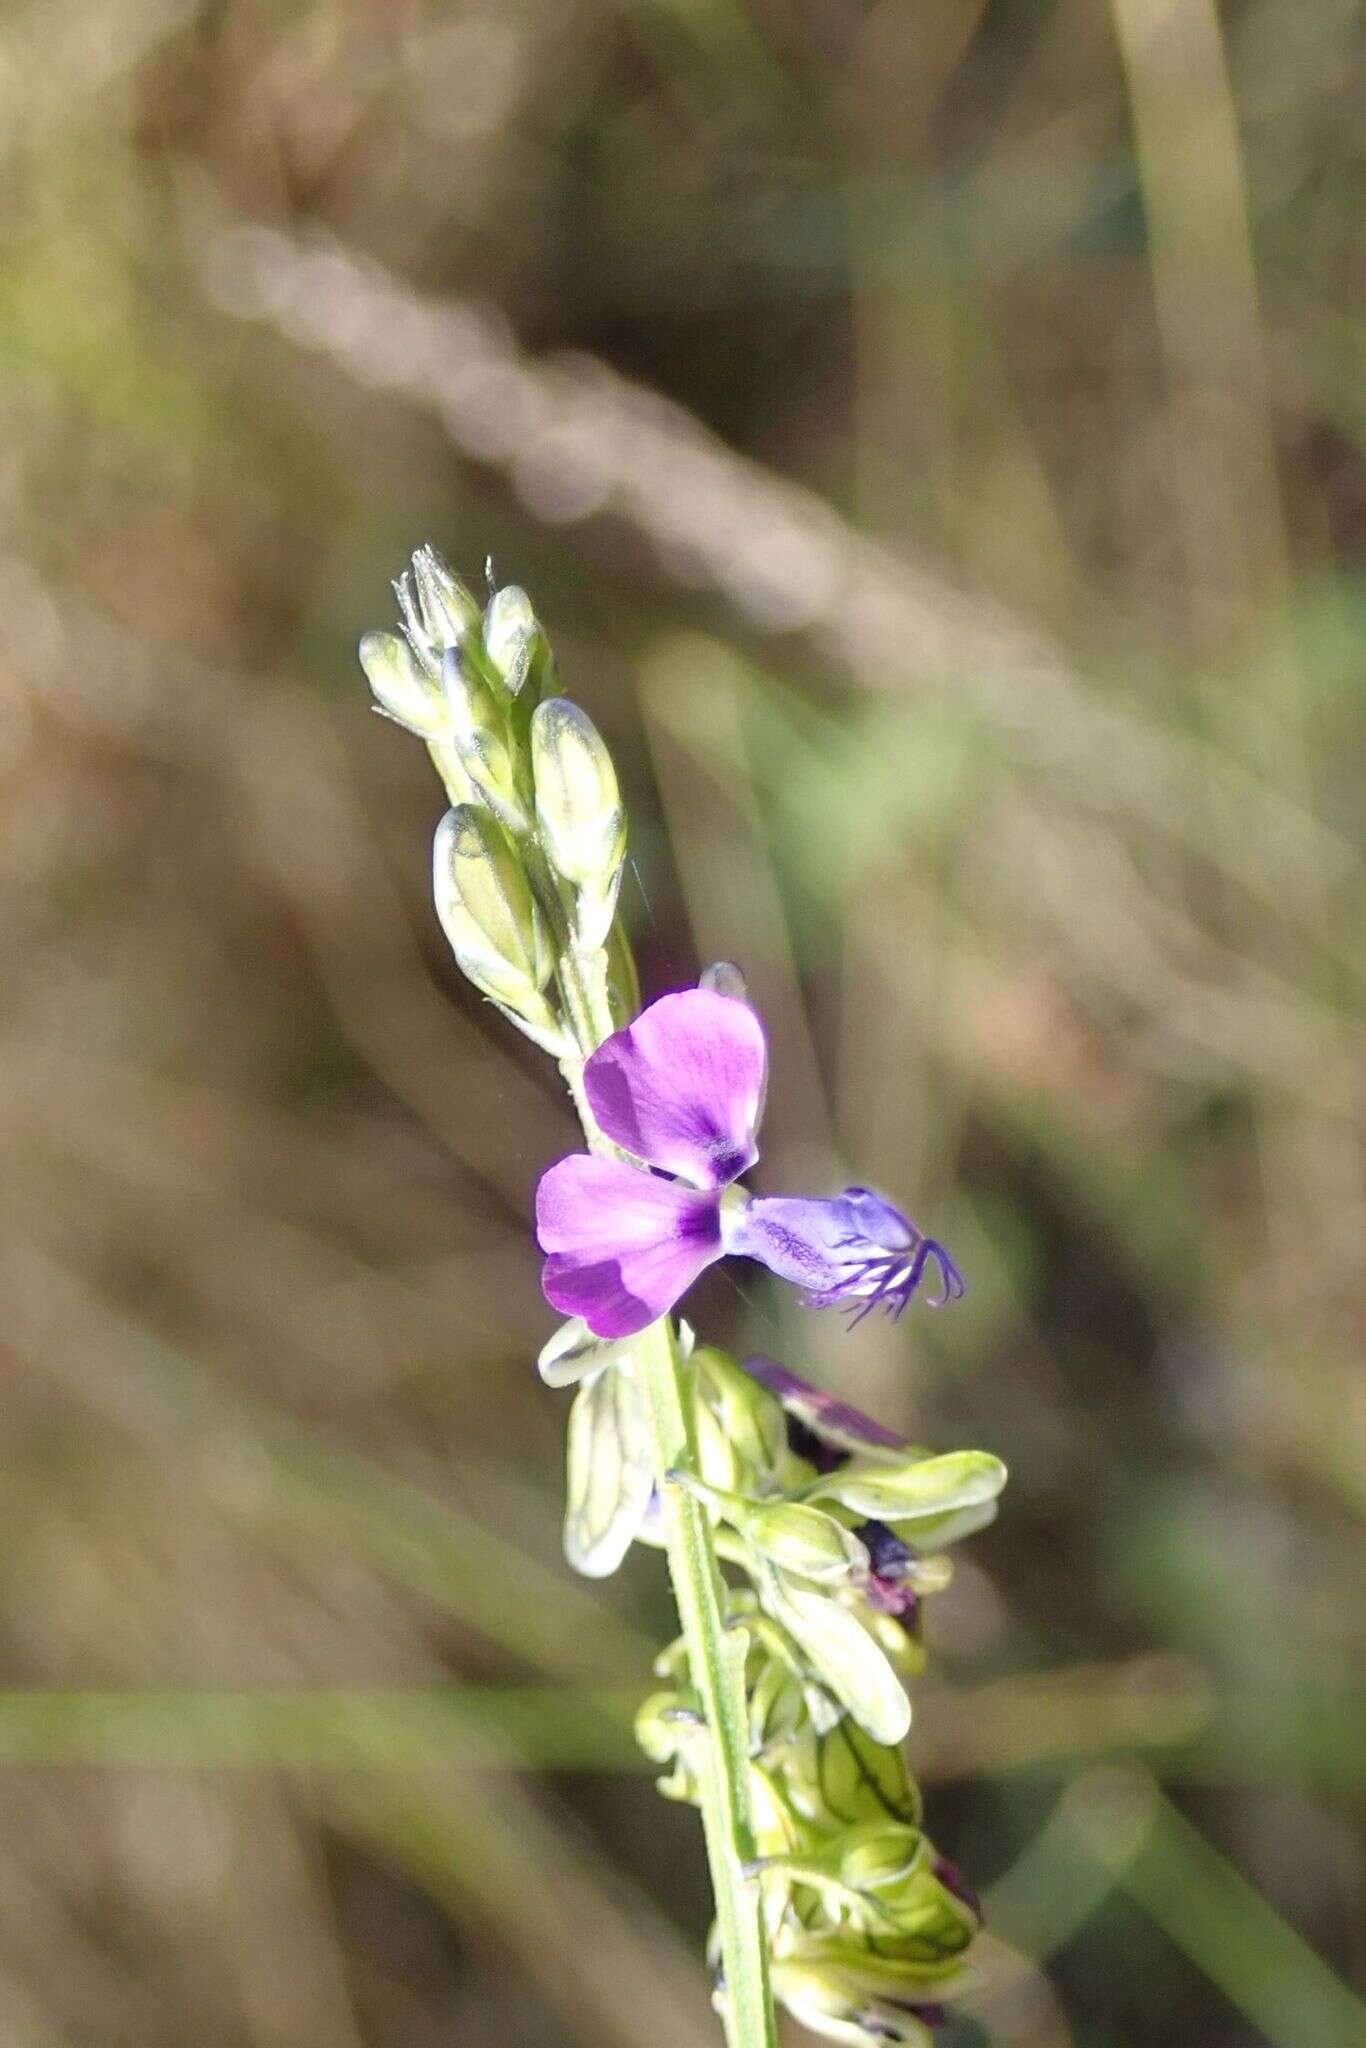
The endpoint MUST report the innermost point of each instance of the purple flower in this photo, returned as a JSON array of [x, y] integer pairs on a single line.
[[682, 1089]]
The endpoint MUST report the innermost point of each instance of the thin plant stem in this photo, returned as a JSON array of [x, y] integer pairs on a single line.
[[716, 1654], [716, 1660]]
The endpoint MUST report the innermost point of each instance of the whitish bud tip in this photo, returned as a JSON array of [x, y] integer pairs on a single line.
[[724, 978], [401, 687]]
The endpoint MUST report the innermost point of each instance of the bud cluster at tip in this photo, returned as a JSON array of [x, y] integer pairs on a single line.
[[527, 863]]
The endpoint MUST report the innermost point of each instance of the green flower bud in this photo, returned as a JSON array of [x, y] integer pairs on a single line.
[[402, 687], [670, 1729], [578, 805], [479, 732], [913, 1489], [862, 1780], [718, 1461], [446, 608], [854, 1998], [514, 643], [488, 914], [724, 978], [573, 1352], [878, 1855], [776, 1707], [885, 1881], [610, 1472], [802, 1541], [748, 1416]]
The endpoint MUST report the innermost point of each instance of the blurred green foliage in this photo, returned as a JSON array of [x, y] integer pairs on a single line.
[[978, 629]]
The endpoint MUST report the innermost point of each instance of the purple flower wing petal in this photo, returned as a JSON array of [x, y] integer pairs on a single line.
[[683, 1086], [623, 1246]]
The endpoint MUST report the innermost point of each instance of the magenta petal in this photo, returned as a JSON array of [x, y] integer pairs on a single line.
[[683, 1086], [623, 1246]]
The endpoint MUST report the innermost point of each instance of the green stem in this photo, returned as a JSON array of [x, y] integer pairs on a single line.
[[716, 1661], [716, 1655]]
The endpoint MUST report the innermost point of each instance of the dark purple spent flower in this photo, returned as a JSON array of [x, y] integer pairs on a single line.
[[887, 1588], [834, 1422], [888, 1555], [804, 1443]]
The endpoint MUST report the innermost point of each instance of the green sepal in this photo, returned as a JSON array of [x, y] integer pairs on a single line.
[[842, 1655], [913, 1489], [610, 1471]]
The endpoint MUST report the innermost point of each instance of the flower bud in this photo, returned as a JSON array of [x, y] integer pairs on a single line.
[[776, 1707], [446, 607], [402, 688], [513, 640], [480, 735], [879, 1855], [862, 1780], [910, 1489], [852, 1996], [574, 1352], [892, 1888], [802, 1541], [748, 1416], [578, 805], [488, 914], [670, 1730], [724, 978]]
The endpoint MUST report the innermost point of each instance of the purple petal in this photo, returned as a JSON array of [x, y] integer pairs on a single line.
[[854, 1248], [683, 1086], [623, 1245]]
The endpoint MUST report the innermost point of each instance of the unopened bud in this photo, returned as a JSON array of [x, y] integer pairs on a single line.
[[480, 736], [514, 642], [670, 1729], [879, 1855], [578, 805], [573, 1353], [447, 609], [799, 1540], [862, 2003], [488, 914], [724, 978], [803, 1542], [750, 1418], [402, 688], [863, 1780]]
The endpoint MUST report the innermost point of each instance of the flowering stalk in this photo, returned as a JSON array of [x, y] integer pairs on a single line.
[[784, 1703]]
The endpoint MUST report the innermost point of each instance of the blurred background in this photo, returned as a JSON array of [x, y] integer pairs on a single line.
[[932, 432]]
